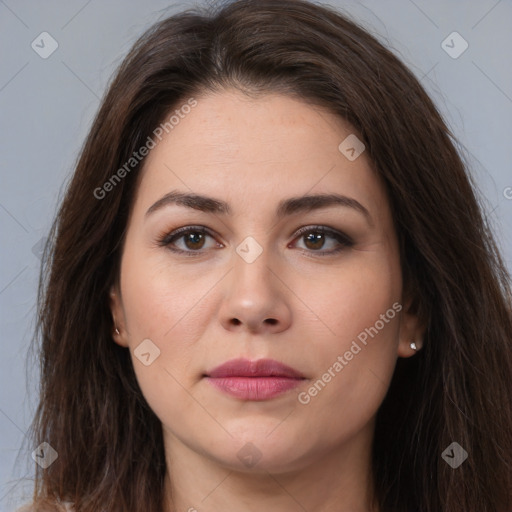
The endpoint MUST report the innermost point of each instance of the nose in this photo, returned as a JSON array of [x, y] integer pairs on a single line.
[[256, 299]]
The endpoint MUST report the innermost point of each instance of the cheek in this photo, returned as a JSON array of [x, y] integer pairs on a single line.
[[157, 312], [155, 309], [159, 298], [166, 304], [345, 301], [355, 357]]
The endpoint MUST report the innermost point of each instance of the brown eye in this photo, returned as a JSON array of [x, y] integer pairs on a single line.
[[194, 240], [315, 239], [189, 240]]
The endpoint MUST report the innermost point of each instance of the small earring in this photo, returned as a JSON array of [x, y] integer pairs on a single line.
[[117, 331], [413, 345]]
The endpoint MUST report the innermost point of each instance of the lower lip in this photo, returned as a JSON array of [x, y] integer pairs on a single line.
[[254, 388]]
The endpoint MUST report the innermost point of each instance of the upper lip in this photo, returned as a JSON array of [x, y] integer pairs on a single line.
[[258, 368]]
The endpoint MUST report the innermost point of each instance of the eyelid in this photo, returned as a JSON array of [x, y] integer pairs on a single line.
[[323, 229], [186, 229]]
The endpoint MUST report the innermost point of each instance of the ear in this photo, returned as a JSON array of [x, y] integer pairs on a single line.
[[411, 331], [118, 319]]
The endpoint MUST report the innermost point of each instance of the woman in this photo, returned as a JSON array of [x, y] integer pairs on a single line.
[[271, 286]]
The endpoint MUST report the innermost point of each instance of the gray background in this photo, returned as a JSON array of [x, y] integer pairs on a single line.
[[47, 107]]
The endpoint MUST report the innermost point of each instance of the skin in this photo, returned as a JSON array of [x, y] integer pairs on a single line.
[[290, 304]]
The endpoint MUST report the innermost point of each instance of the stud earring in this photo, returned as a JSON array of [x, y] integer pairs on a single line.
[[413, 345], [116, 330]]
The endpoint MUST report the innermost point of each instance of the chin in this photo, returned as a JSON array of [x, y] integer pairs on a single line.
[[261, 453]]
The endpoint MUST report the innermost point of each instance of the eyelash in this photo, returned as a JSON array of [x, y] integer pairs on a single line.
[[168, 238]]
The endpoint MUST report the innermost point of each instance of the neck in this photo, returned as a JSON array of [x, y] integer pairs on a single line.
[[336, 481]]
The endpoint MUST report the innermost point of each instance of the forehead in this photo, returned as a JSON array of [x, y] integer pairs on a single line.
[[233, 146]]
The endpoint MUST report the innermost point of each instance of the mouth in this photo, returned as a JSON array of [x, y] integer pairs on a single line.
[[254, 380]]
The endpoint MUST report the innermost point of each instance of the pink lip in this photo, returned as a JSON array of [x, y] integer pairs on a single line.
[[254, 380]]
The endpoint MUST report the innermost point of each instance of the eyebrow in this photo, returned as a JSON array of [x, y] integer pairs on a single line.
[[286, 207]]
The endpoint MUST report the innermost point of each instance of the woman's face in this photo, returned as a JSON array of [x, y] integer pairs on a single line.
[[325, 300]]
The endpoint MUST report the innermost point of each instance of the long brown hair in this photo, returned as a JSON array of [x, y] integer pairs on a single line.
[[457, 389]]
